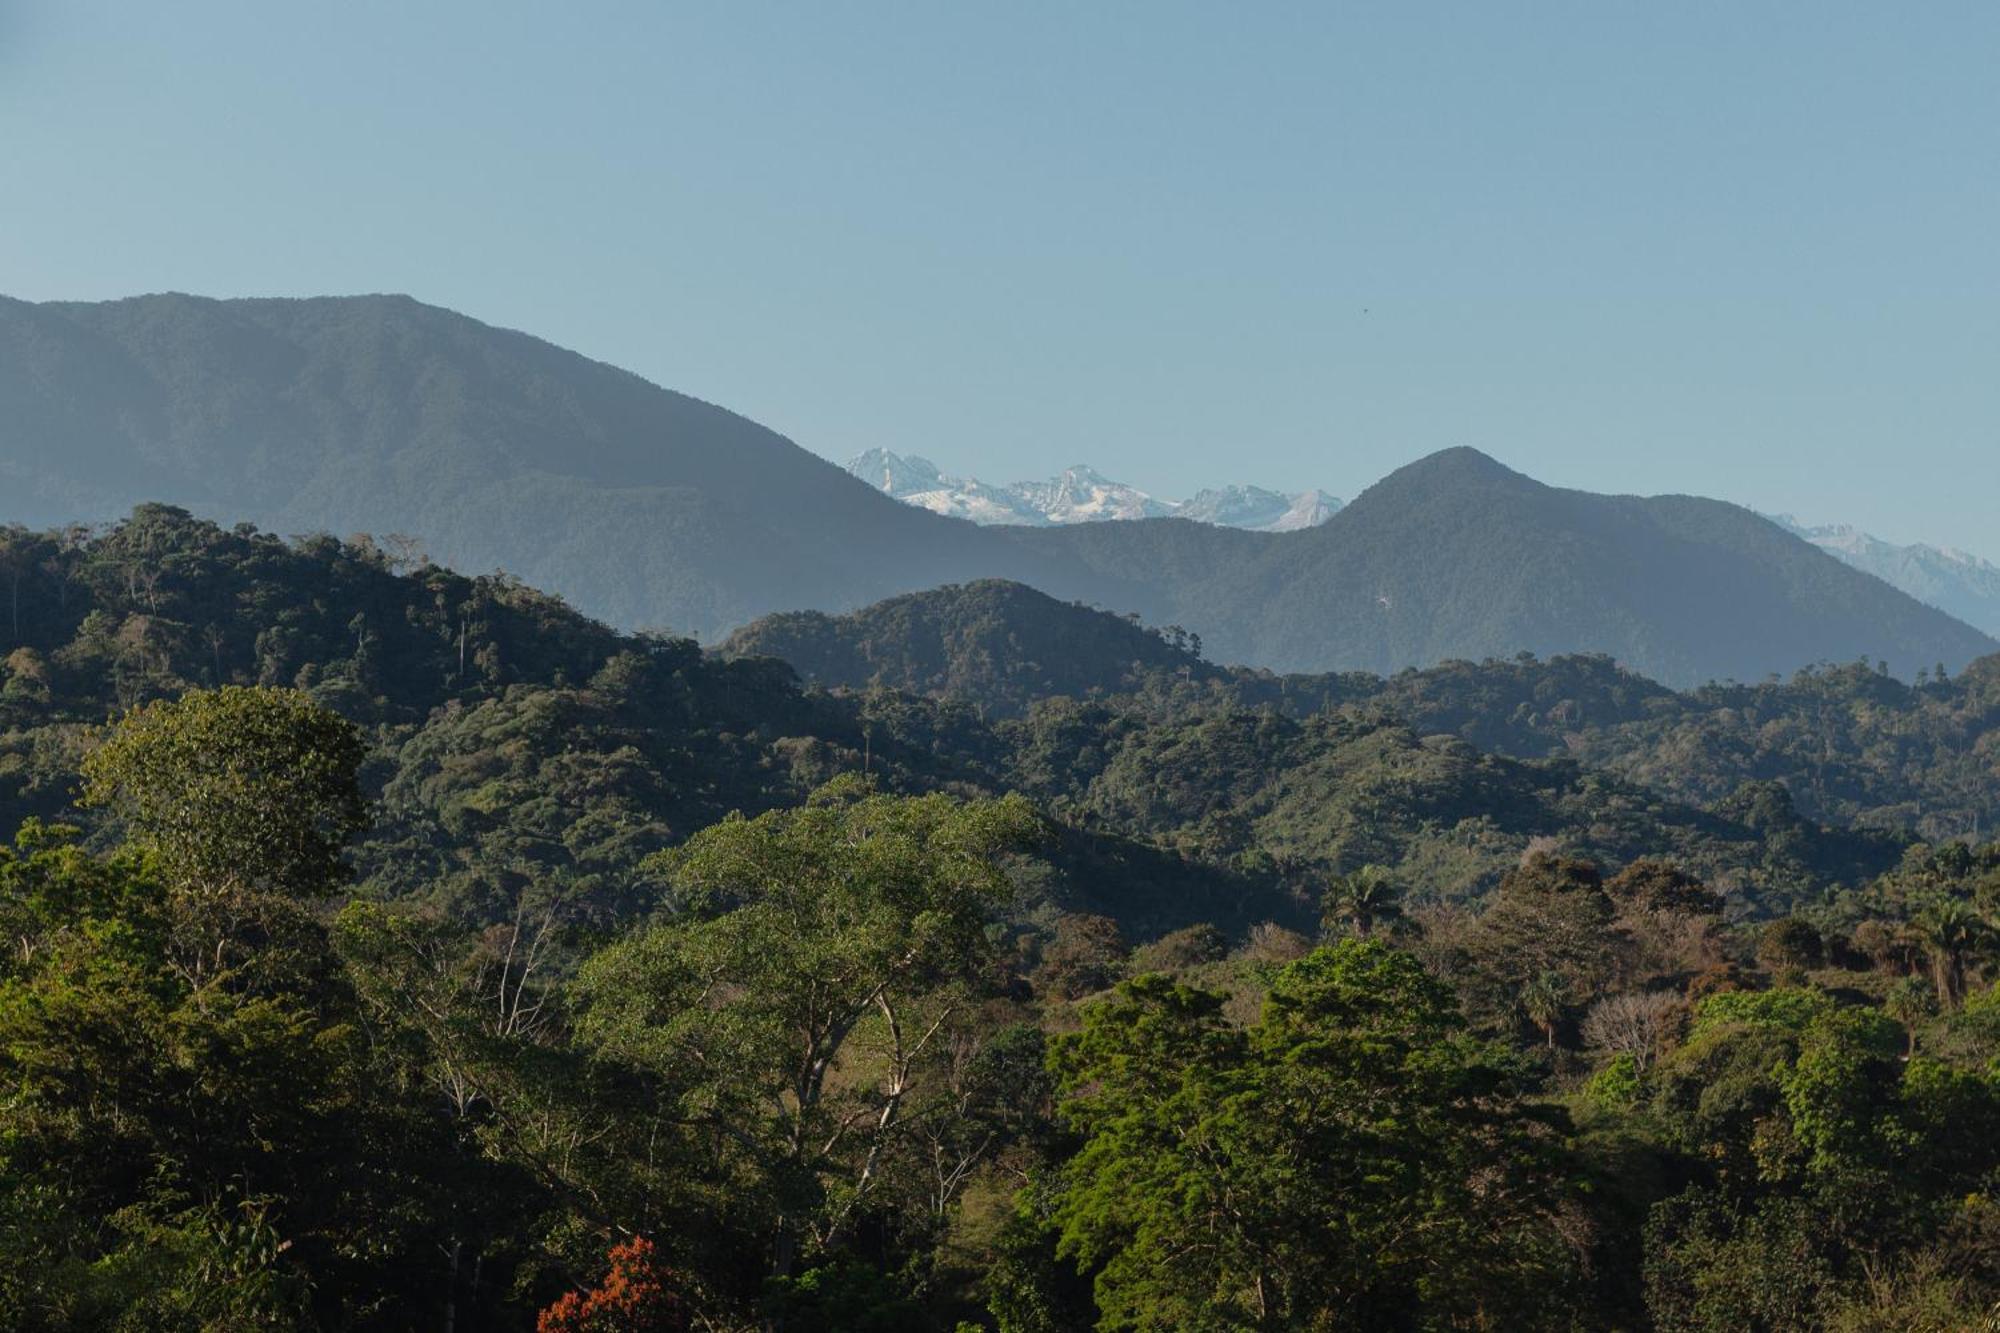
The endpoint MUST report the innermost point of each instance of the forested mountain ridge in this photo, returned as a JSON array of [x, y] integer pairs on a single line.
[[1851, 743], [493, 448], [995, 644], [1457, 556], [649, 508], [517, 742]]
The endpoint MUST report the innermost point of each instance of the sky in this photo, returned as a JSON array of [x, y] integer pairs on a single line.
[[1742, 250]]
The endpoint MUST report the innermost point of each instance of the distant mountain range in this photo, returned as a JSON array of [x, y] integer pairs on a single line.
[[1081, 494], [652, 509], [1956, 582]]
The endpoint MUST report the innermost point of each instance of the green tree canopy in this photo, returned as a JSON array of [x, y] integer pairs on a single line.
[[808, 967], [241, 788], [1352, 1160]]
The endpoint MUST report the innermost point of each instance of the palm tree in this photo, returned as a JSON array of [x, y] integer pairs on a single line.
[[1543, 999], [1951, 932], [1909, 1002], [1362, 900]]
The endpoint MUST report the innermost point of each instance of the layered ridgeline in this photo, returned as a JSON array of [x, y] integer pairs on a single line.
[[496, 450], [520, 748], [523, 757], [1846, 742], [649, 508], [555, 1014]]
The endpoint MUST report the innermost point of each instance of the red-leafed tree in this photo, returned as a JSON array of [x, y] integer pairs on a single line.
[[636, 1296]]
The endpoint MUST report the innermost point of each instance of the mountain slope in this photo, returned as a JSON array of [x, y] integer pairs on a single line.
[[1456, 556], [642, 505], [1955, 582]]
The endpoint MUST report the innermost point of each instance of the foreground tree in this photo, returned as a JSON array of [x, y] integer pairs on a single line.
[[203, 1137], [1354, 1160], [1833, 1178], [636, 1296], [810, 973], [234, 790]]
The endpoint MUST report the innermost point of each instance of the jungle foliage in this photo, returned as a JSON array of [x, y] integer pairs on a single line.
[[387, 948]]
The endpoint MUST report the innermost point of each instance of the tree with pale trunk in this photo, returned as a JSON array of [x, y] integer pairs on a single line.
[[1639, 1024], [822, 959]]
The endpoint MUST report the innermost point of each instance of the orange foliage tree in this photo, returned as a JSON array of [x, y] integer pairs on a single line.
[[634, 1297]]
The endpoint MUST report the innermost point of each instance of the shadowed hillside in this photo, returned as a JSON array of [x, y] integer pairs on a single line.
[[1456, 556], [495, 449], [1001, 644]]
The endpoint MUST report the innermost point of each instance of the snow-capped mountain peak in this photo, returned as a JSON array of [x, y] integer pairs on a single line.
[[1260, 510], [1954, 581], [895, 474], [1082, 494]]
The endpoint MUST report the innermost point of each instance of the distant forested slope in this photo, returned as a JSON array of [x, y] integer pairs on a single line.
[[996, 643], [495, 449], [1456, 556]]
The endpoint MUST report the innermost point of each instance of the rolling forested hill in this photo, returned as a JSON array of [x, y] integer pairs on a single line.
[[518, 742], [1849, 741], [997, 644], [645, 507]]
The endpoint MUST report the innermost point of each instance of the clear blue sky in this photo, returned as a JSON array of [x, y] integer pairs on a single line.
[[1750, 251]]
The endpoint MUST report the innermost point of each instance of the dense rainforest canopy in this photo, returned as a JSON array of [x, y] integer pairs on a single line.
[[388, 948]]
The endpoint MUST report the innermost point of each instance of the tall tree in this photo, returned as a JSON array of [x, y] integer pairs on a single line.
[[1361, 900], [1952, 933], [816, 959], [235, 789], [1351, 1161], [1546, 936]]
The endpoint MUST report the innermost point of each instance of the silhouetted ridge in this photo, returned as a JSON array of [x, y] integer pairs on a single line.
[[1457, 466], [999, 644]]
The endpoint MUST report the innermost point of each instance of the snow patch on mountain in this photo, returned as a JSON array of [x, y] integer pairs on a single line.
[[1956, 582], [1081, 494], [1260, 510]]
